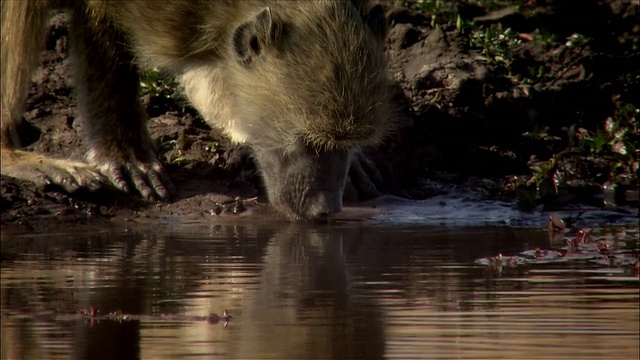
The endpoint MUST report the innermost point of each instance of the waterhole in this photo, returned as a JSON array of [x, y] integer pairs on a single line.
[[299, 291]]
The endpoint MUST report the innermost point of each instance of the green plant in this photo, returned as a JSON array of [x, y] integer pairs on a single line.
[[462, 24], [497, 4], [610, 154], [430, 6], [171, 151], [535, 74], [156, 84], [496, 43], [544, 38], [578, 40], [440, 11]]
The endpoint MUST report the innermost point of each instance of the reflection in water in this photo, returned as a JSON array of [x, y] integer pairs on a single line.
[[304, 291]]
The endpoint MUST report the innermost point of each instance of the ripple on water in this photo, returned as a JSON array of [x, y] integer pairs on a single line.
[[307, 291]]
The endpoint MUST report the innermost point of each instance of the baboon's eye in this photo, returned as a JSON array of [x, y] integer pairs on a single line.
[[254, 44]]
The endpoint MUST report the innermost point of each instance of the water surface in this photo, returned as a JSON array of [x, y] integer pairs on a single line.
[[309, 292]]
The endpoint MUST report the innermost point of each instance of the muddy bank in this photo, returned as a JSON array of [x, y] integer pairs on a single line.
[[470, 118]]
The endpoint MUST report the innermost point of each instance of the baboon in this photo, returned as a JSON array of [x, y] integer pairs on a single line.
[[303, 83]]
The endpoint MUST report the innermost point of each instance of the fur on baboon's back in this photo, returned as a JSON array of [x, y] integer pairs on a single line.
[[323, 78]]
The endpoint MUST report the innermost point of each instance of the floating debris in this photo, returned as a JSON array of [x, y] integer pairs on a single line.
[[599, 250], [92, 314], [556, 224]]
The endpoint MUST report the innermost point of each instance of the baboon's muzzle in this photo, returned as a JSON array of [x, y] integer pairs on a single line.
[[305, 184]]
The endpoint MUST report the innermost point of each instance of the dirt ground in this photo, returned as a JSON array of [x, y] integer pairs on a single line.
[[463, 116]]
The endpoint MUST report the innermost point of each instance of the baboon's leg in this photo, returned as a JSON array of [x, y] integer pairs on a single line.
[[115, 130], [23, 25]]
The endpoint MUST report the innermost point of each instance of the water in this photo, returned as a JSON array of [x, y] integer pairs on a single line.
[[309, 292]]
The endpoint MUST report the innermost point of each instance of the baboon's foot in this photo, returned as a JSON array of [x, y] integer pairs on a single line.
[[149, 178], [364, 178], [43, 171]]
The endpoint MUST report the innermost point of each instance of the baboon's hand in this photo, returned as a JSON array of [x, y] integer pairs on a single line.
[[364, 177], [42, 171], [148, 177]]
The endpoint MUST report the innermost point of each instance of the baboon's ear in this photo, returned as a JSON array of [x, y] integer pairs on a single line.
[[252, 35], [377, 21]]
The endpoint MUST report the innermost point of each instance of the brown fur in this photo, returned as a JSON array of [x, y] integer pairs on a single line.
[[302, 82]]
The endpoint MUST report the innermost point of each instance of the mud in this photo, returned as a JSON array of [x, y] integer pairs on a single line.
[[462, 117]]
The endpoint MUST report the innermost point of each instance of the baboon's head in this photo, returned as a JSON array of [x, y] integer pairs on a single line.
[[308, 84]]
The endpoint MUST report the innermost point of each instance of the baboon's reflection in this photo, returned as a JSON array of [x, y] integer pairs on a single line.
[[305, 281]]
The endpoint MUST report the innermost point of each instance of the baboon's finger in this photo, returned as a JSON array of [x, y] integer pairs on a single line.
[[94, 184], [160, 183], [140, 183], [69, 184], [116, 176]]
